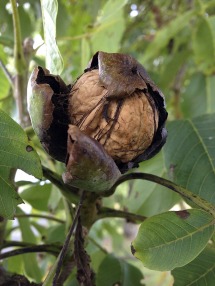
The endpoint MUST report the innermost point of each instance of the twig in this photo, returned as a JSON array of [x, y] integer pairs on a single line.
[[69, 192], [7, 73], [30, 249], [170, 185], [66, 243], [108, 212], [40, 216], [20, 63]]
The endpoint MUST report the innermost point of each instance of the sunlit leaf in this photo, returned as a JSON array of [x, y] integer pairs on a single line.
[[109, 27], [5, 85], [54, 61], [85, 53], [172, 239], [199, 272], [190, 154]]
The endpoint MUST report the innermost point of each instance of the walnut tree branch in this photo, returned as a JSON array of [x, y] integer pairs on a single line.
[[168, 184]]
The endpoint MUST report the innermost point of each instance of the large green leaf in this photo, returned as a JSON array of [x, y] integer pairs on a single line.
[[109, 27], [199, 272], [172, 239], [114, 271], [54, 61], [190, 153], [16, 151]]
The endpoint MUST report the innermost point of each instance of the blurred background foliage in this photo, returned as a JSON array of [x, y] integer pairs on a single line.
[[175, 41]]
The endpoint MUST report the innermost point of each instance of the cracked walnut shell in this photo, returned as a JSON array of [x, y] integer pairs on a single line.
[[125, 127]]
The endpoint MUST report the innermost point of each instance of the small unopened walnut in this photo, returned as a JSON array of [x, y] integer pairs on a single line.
[[116, 103]]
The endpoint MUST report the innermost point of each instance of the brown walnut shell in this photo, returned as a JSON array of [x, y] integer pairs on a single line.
[[116, 103]]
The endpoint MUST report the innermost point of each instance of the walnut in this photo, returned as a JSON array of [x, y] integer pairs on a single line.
[[116, 103], [126, 128]]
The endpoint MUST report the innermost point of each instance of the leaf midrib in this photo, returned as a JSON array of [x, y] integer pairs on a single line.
[[181, 238]]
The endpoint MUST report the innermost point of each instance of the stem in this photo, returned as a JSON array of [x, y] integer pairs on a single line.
[[30, 249], [170, 185], [7, 74], [108, 212], [69, 192], [55, 271], [20, 63], [40, 216]]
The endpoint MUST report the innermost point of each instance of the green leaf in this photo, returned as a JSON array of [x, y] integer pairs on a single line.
[[14, 264], [54, 198], [172, 239], [194, 95], [37, 196], [5, 85], [204, 45], [85, 53], [56, 234], [190, 153], [163, 36], [122, 273], [30, 259], [198, 96], [210, 87], [54, 61], [109, 27], [9, 198], [16, 151], [199, 272]]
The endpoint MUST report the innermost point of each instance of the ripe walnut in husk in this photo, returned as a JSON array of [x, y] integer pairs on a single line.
[[116, 103]]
